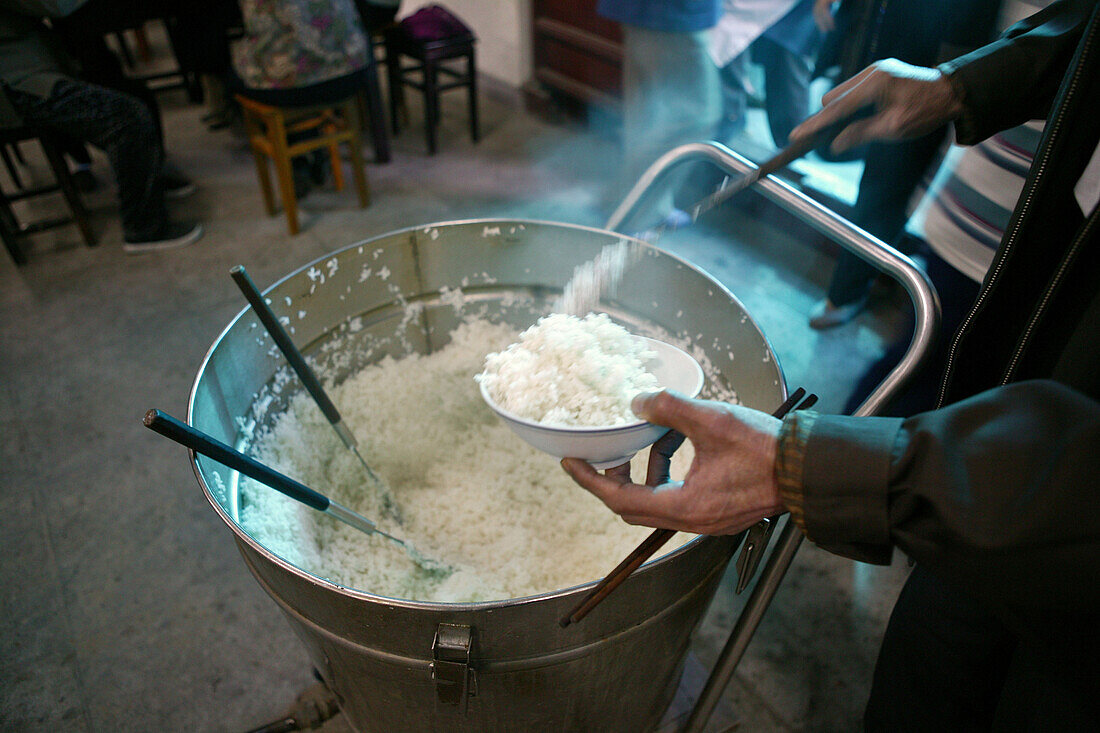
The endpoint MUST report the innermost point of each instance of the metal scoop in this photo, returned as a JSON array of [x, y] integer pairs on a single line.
[[200, 442]]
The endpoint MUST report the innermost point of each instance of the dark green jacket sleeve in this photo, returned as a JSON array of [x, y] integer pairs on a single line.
[[999, 493], [1015, 78]]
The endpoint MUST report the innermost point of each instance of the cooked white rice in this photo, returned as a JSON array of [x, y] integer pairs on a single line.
[[569, 371], [470, 492]]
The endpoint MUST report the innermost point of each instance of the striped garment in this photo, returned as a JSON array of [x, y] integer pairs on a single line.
[[968, 204], [966, 207]]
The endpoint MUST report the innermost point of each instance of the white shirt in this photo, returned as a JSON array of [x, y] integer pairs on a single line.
[[1087, 189], [741, 23]]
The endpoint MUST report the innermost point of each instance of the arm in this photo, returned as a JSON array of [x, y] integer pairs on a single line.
[[1032, 56], [997, 492], [996, 87]]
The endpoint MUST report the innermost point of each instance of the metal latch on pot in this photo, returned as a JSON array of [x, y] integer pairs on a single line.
[[455, 681]]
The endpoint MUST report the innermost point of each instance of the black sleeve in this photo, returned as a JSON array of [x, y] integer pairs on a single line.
[[1015, 78], [998, 493]]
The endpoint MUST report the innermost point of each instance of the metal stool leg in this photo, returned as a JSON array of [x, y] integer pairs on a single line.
[[431, 102], [471, 73]]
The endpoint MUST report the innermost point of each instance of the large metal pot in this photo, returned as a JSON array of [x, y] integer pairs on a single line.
[[505, 665]]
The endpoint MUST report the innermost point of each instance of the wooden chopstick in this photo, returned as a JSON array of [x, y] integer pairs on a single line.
[[650, 545]]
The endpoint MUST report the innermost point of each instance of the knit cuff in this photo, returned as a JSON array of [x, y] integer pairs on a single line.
[[789, 458]]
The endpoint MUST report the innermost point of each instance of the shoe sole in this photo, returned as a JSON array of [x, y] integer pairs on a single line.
[[140, 247], [174, 194]]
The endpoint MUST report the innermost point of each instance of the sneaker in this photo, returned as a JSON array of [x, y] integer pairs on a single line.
[[169, 236], [176, 187], [173, 184], [826, 315]]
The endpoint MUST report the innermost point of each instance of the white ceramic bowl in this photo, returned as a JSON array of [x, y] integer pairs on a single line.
[[605, 447]]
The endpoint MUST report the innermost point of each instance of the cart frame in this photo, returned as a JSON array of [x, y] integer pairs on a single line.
[[872, 250]]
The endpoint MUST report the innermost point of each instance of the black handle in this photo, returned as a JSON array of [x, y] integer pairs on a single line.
[[200, 442], [282, 340], [824, 136]]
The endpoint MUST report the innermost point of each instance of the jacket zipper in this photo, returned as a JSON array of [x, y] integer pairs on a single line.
[[1014, 362], [1076, 245], [1009, 242]]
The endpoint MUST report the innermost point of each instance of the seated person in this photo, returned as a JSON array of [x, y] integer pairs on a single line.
[[283, 61], [42, 88]]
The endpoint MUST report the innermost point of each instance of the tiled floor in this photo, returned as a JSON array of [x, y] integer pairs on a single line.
[[125, 604]]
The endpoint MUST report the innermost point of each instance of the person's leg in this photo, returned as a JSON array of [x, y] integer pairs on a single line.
[[122, 127], [99, 65], [957, 293], [891, 174], [942, 662], [735, 99], [786, 87], [671, 97]]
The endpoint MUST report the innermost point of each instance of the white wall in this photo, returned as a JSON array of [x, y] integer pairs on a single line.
[[503, 29]]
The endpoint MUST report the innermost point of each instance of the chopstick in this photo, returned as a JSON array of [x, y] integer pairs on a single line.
[[301, 368], [652, 543], [200, 442]]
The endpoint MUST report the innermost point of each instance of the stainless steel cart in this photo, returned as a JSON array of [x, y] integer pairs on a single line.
[[878, 254]]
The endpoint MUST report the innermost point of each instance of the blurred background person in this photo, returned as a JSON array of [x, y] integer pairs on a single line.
[[782, 37], [42, 87], [300, 53], [918, 32], [953, 233], [671, 92]]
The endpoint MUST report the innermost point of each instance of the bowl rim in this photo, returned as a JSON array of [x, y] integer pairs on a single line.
[[700, 380]]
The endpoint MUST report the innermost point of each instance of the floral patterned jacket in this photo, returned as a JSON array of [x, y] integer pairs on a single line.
[[295, 43]]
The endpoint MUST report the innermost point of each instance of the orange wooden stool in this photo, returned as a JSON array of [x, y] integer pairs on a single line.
[[268, 128]]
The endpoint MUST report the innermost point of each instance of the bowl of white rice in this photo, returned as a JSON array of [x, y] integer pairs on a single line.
[[566, 385]]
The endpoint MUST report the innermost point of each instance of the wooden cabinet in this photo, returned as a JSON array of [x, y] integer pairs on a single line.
[[577, 53]]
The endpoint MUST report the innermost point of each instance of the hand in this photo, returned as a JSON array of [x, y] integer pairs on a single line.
[[909, 101], [823, 15], [730, 485]]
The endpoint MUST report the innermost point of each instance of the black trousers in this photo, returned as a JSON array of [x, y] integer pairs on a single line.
[[891, 174], [120, 125], [957, 294], [948, 664]]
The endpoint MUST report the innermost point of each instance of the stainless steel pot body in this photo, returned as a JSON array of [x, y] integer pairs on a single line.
[[504, 665]]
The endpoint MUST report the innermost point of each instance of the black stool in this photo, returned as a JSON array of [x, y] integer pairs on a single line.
[[11, 230], [429, 56]]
